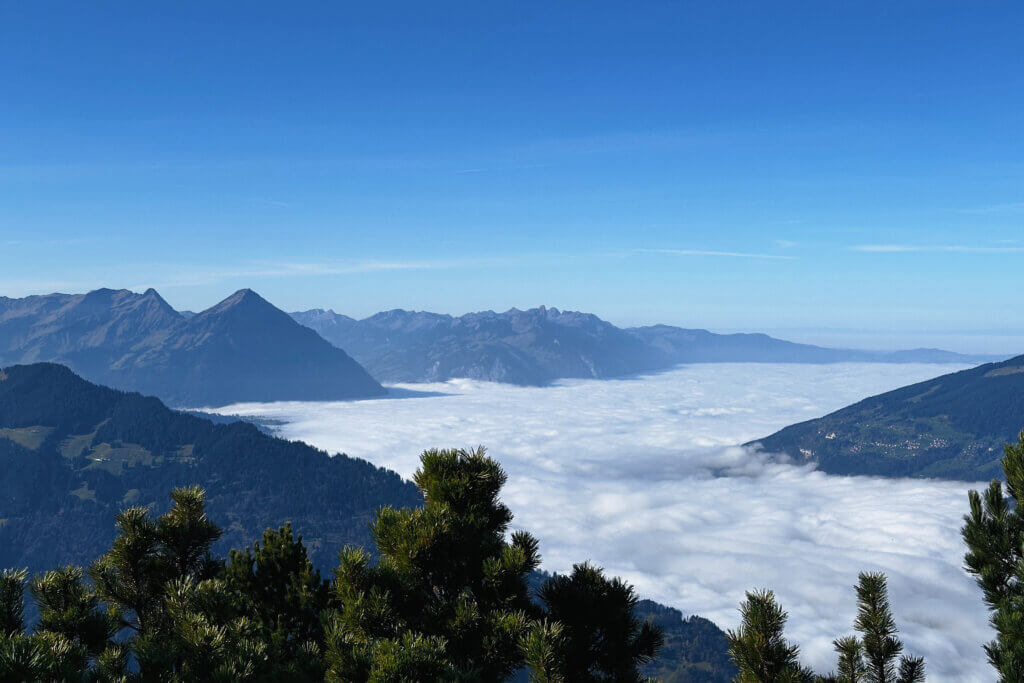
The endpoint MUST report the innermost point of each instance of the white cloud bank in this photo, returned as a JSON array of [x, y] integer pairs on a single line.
[[643, 477]]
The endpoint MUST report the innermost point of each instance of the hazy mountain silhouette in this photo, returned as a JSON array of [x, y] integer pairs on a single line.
[[242, 349], [537, 346], [520, 347]]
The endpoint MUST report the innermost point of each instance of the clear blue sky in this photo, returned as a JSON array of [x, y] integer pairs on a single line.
[[818, 167]]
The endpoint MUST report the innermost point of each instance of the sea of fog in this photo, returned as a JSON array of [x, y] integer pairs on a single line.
[[643, 476]]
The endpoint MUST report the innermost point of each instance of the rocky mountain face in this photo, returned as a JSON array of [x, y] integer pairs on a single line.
[[953, 426], [540, 345], [242, 349], [530, 347], [84, 330]]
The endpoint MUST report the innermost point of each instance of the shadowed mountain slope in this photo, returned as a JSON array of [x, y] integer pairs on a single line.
[[74, 453]]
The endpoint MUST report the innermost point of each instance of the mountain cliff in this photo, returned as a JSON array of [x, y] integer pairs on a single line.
[[242, 349], [953, 426], [540, 345]]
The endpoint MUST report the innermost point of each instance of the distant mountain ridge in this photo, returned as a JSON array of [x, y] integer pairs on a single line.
[[242, 349], [520, 347], [953, 426], [541, 345]]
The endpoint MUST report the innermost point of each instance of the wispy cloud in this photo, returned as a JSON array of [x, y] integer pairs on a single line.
[[265, 201], [28, 287], [1009, 207], [715, 252], [947, 248], [209, 275], [70, 241]]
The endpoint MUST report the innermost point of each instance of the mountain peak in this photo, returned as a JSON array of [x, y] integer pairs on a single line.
[[245, 299], [153, 297], [245, 295]]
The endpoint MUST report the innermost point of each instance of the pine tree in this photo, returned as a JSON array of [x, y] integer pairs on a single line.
[[603, 641], [447, 600], [543, 649], [12, 601], [994, 533], [281, 592], [759, 647], [146, 558], [878, 635], [69, 608], [851, 660], [447, 580]]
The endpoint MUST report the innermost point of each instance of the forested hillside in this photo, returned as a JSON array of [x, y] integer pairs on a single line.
[[953, 426], [74, 453]]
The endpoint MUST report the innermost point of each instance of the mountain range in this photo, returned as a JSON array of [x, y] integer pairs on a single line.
[[245, 349], [540, 345], [242, 349], [953, 426], [74, 453]]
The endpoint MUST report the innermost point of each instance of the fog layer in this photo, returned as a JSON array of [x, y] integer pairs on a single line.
[[643, 476]]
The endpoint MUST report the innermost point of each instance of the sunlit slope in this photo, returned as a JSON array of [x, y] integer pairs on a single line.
[[953, 426]]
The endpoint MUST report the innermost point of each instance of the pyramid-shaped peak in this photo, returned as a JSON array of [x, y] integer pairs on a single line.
[[244, 302], [244, 294], [151, 295], [243, 297]]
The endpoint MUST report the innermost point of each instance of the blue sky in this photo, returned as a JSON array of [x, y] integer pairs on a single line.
[[849, 171]]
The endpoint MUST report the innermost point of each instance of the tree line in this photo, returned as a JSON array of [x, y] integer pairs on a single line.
[[446, 598]]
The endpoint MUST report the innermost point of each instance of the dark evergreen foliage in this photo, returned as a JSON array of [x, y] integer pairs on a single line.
[[281, 592], [994, 533], [759, 647], [763, 655], [602, 639], [449, 599]]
